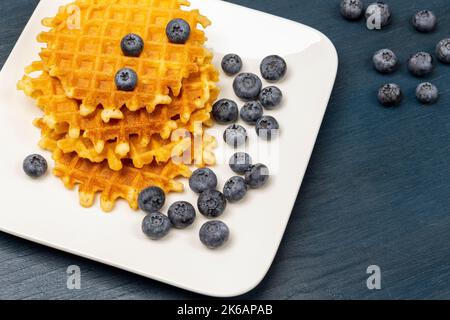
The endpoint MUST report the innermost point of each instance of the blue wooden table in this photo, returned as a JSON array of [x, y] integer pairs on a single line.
[[377, 190]]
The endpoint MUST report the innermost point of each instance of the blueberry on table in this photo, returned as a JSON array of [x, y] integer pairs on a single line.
[[235, 135], [427, 93], [151, 199], [385, 61], [225, 111], [214, 234], [181, 214], [178, 31], [352, 9], [235, 189], [247, 86], [270, 97], [443, 50], [202, 179], [126, 79], [420, 64], [267, 127], [156, 225], [380, 11], [231, 64], [273, 68], [240, 162], [211, 203], [35, 165], [251, 112], [390, 95], [424, 21], [257, 176], [132, 45]]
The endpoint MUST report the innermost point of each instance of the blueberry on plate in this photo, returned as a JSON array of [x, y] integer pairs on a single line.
[[156, 225], [178, 31], [270, 97], [35, 165], [427, 93], [390, 95], [380, 12], [151, 199], [267, 127], [235, 135], [202, 179], [251, 112], [235, 189], [225, 111], [420, 64], [424, 21], [126, 79], [181, 214], [240, 162], [214, 234], [257, 176], [231, 64], [352, 9], [273, 68], [211, 203], [443, 50], [385, 61], [132, 45], [247, 86]]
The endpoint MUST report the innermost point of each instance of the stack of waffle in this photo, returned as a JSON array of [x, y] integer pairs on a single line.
[[118, 142]]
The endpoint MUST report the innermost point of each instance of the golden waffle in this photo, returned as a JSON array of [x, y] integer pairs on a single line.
[[87, 58]]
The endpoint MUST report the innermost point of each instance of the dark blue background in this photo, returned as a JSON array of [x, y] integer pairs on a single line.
[[377, 189]]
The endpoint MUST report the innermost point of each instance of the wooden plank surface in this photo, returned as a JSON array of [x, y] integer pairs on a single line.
[[376, 192]]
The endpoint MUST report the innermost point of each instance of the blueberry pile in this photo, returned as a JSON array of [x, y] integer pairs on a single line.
[[385, 61]]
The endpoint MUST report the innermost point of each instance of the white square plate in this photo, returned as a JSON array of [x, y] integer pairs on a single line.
[[45, 212]]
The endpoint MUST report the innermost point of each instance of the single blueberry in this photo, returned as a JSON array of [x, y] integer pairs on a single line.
[[385, 61], [235, 189], [181, 214], [390, 95], [251, 112], [424, 21], [420, 64], [231, 64], [211, 203], [156, 225], [352, 9], [235, 135], [151, 199], [225, 111], [202, 179], [132, 45], [35, 165], [214, 234], [273, 68], [178, 31], [267, 127], [257, 176], [126, 79], [247, 86], [380, 13], [443, 50], [240, 162], [427, 93], [270, 97]]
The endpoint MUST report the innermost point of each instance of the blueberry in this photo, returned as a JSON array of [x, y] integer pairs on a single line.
[[352, 9], [385, 61], [270, 97], [380, 11], [178, 31], [424, 21], [267, 127], [390, 95], [251, 112], [35, 165], [225, 111], [240, 162], [211, 203], [273, 68], [126, 79], [231, 64], [257, 176], [443, 50], [235, 189], [235, 135], [156, 225], [132, 45], [247, 86], [151, 199], [427, 93], [181, 214], [214, 234], [420, 64], [202, 179]]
